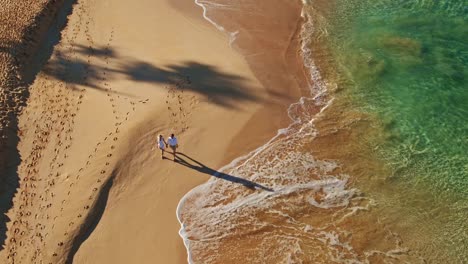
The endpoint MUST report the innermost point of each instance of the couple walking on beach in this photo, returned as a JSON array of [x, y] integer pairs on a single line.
[[171, 142]]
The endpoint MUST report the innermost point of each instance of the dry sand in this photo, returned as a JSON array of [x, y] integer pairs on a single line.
[[23, 27], [93, 188]]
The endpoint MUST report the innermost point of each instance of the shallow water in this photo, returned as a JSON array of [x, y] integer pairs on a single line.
[[406, 63], [373, 168]]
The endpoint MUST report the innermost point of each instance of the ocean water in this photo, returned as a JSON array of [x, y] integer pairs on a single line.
[[374, 166], [405, 64]]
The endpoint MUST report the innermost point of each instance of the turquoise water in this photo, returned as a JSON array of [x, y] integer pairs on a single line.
[[406, 62]]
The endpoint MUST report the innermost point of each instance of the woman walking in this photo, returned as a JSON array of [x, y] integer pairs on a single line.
[[162, 145]]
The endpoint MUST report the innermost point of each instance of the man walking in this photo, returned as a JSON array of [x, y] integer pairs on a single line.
[[173, 144]]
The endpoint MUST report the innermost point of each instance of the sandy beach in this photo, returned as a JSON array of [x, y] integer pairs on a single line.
[[92, 186], [308, 131]]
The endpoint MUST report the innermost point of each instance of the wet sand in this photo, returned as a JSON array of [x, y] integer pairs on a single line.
[[267, 34]]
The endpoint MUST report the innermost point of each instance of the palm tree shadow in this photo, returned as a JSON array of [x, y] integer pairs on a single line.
[[198, 166]]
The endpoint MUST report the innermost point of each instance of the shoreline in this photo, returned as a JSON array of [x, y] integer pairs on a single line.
[[296, 80]]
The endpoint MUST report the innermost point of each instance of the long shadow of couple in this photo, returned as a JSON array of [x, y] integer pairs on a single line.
[[191, 163]]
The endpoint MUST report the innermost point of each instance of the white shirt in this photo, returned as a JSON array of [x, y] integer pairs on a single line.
[[172, 141]]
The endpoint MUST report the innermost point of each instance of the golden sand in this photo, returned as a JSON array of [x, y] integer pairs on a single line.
[[92, 186]]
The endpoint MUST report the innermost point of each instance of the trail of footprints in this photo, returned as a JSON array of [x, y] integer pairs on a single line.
[[180, 105], [53, 128]]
